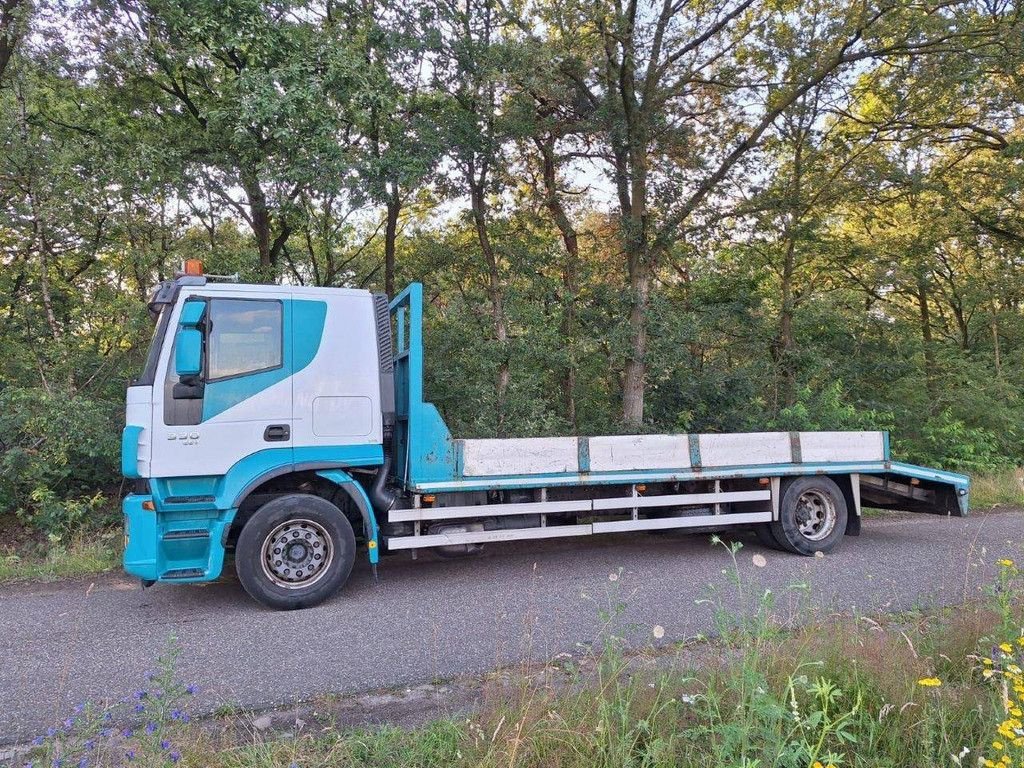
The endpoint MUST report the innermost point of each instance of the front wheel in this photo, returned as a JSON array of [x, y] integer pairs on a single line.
[[295, 552], [812, 516]]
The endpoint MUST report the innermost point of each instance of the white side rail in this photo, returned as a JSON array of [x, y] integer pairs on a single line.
[[580, 507]]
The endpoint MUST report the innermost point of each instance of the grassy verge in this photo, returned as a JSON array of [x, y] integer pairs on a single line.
[[939, 689], [1003, 488], [84, 555]]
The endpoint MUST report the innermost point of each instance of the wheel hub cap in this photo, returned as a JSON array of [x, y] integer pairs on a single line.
[[815, 515], [297, 553]]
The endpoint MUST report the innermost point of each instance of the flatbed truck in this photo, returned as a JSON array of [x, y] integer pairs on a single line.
[[289, 424]]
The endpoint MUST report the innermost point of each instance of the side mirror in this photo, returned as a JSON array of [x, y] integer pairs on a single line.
[[188, 352], [192, 313]]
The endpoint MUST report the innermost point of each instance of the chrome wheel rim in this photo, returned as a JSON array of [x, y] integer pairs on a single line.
[[815, 515], [297, 554]]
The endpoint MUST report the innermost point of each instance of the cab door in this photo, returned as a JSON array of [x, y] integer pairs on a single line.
[[240, 401]]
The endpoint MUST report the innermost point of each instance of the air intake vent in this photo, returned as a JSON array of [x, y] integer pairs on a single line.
[[386, 355], [384, 345]]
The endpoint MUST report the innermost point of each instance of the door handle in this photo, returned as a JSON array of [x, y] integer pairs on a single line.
[[276, 433]]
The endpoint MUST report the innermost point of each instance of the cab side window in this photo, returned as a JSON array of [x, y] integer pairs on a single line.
[[242, 337], [245, 336]]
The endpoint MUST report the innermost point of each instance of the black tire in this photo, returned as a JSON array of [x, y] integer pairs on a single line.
[[301, 526], [765, 537], [812, 515]]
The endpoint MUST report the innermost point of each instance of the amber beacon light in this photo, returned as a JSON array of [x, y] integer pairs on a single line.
[[193, 267]]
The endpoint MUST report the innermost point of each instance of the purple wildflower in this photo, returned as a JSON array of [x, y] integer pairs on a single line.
[[69, 723], [130, 754], [150, 728], [139, 695], [165, 744], [89, 744], [79, 708], [192, 690], [175, 756], [83, 763], [38, 741], [150, 675], [106, 717], [51, 732], [105, 732], [57, 762], [127, 733]]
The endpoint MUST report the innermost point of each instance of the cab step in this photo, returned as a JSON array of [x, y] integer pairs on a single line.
[[183, 573], [188, 533], [202, 499]]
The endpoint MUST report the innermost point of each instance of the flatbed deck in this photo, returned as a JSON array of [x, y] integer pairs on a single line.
[[473, 491]]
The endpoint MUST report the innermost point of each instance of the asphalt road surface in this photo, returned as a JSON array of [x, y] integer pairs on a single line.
[[62, 644]]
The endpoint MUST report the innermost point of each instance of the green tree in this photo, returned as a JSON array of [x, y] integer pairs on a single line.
[[685, 92], [243, 95]]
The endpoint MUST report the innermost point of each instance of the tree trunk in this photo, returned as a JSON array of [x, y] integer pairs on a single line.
[[926, 339], [390, 236], [259, 221], [570, 275], [995, 340], [44, 283], [961, 324], [628, 134], [785, 345], [10, 33], [496, 295], [634, 375], [638, 259]]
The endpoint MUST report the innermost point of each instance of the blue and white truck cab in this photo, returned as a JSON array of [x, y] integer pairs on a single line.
[[288, 424]]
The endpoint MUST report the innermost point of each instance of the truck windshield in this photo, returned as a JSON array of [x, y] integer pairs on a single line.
[[148, 374]]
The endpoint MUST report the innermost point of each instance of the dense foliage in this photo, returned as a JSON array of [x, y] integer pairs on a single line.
[[692, 216]]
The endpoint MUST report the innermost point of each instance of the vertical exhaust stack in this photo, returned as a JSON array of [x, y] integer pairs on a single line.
[[380, 497]]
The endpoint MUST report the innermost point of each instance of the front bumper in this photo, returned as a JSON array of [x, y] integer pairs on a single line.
[[141, 537], [179, 546]]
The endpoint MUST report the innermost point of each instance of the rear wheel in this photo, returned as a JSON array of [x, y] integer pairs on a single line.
[[295, 552], [765, 537], [812, 516]]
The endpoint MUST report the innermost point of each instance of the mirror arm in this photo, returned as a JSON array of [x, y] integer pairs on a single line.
[[189, 388]]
